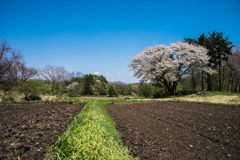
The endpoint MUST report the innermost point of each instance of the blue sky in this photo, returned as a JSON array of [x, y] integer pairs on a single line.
[[102, 36]]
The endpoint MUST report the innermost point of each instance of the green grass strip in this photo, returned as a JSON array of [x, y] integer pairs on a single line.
[[91, 136]]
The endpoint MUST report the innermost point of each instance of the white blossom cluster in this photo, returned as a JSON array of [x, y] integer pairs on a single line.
[[168, 63]]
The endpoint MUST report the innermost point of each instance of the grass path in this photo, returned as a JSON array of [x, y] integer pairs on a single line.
[[91, 136]]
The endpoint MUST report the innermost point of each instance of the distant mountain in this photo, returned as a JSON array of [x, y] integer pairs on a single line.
[[77, 74], [117, 82], [123, 83]]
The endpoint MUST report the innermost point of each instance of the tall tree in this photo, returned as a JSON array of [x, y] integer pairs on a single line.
[[233, 70], [56, 75], [112, 92], [166, 65], [24, 74], [9, 60], [201, 40], [219, 48], [94, 84]]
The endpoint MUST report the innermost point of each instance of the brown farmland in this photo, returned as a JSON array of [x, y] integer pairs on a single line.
[[27, 130], [177, 130]]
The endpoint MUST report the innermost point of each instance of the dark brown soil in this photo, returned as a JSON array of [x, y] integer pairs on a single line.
[[175, 130], [27, 130]]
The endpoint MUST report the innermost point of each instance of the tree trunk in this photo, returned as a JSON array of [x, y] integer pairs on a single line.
[[171, 88], [175, 87], [193, 81], [209, 82], [172, 92], [223, 78], [220, 78], [230, 82], [230, 87], [202, 80], [238, 88], [52, 90]]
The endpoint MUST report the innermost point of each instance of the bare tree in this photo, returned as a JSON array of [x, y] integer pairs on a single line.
[[9, 60], [233, 74], [55, 75], [25, 73]]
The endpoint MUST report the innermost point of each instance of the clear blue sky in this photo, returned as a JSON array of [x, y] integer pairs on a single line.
[[102, 36]]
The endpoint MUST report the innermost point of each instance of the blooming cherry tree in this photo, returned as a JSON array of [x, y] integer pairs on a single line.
[[167, 64]]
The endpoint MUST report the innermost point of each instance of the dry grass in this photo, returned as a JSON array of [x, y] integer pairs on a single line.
[[48, 98], [217, 99], [207, 97]]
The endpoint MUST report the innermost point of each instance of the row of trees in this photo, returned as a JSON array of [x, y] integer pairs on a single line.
[[207, 61], [12, 66], [13, 70], [219, 49], [16, 77]]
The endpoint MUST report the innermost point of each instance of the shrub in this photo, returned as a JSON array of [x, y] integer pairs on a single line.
[[185, 92], [146, 90], [159, 93], [8, 98], [32, 97], [74, 89], [112, 92]]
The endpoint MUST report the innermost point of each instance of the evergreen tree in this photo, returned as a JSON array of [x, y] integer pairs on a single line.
[[219, 48], [88, 82], [112, 92]]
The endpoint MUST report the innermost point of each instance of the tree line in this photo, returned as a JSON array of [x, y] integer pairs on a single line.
[[224, 59], [17, 80], [207, 63]]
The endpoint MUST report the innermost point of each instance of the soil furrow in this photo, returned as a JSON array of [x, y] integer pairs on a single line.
[[27, 130], [176, 130]]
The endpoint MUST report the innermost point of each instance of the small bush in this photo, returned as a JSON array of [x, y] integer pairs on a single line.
[[8, 99], [159, 93], [146, 90], [32, 98], [185, 92], [112, 92]]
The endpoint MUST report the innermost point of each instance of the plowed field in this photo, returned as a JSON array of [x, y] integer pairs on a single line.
[[177, 130], [27, 130]]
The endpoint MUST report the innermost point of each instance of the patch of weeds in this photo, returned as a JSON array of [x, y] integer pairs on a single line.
[[91, 136], [40, 125]]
